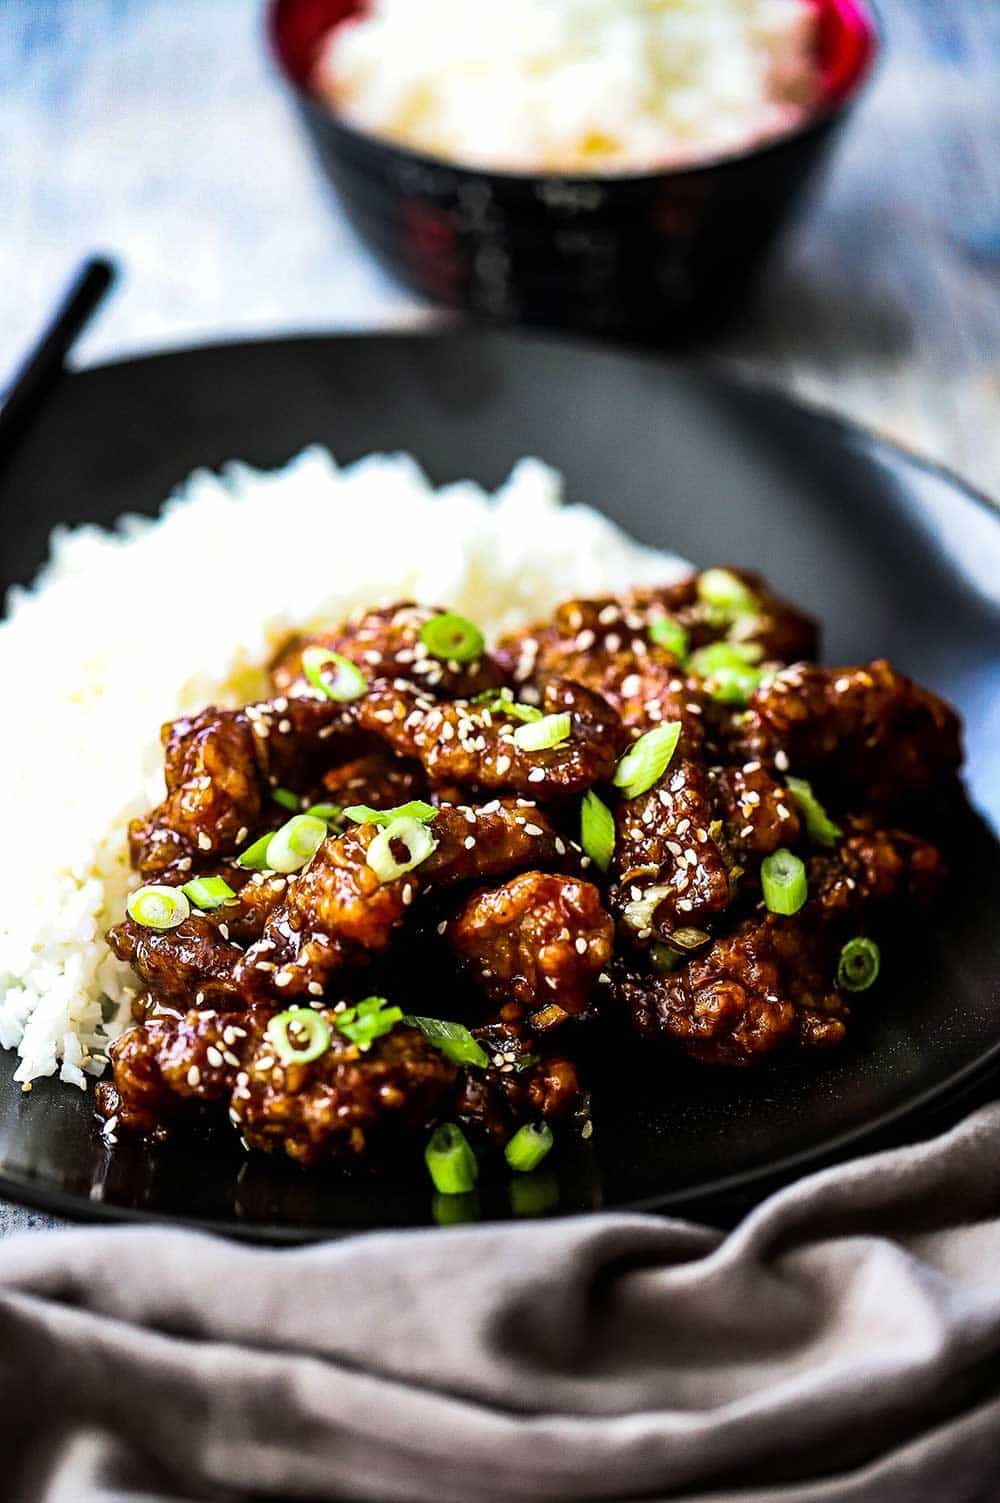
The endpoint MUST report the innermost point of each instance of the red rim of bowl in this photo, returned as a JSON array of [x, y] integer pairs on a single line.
[[850, 40]]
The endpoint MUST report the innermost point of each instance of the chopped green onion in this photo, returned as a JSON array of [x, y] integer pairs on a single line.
[[544, 733], [207, 893], [783, 878], [733, 686], [346, 684], [708, 660], [726, 591], [363, 814], [647, 759], [597, 830], [502, 701], [158, 907], [819, 826], [529, 1145], [450, 1160], [287, 799], [663, 959], [668, 633], [687, 940], [331, 813], [414, 837], [859, 965], [453, 638], [453, 1039], [254, 858], [295, 843], [368, 1020], [286, 1028]]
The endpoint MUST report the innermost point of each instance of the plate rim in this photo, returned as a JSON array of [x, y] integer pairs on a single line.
[[40, 1195]]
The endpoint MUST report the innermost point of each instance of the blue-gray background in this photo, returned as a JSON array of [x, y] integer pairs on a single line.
[[158, 131]]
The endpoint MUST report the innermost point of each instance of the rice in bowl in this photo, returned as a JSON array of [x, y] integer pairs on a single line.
[[94, 668]]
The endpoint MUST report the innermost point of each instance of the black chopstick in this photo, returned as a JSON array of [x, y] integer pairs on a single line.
[[43, 365]]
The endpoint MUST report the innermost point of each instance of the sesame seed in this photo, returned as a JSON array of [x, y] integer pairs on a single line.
[[469, 842], [781, 760], [533, 830], [581, 946], [407, 895], [783, 811], [442, 927], [204, 841], [194, 1077], [213, 1056], [315, 989], [230, 1058], [560, 846], [536, 775]]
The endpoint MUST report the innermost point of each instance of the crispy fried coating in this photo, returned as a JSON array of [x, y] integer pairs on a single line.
[[471, 745], [539, 940], [867, 729], [386, 644]]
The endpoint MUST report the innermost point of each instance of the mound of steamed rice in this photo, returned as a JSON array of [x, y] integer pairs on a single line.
[[124, 630]]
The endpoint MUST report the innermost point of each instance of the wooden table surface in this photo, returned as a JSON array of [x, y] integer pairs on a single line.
[[156, 130]]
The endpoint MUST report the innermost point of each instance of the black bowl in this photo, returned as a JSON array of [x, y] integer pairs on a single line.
[[649, 255]]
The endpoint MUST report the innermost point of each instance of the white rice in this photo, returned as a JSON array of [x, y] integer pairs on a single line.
[[126, 629], [575, 85]]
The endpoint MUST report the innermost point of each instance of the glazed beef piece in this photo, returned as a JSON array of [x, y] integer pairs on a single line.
[[614, 645], [765, 985], [783, 632], [220, 769], [670, 870], [605, 646], [521, 1084], [170, 1064], [347, 1104], [758, 814], [772, 981], [377, 778], [338, 912], [868, 730], [473, 745], [540, 940], [386, 644], [192, 964], [874, 866]]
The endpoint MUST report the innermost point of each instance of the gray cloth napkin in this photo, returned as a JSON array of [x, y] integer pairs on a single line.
[[842, 1343]]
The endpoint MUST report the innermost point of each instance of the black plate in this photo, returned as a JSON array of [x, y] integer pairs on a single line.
[[895, 558]]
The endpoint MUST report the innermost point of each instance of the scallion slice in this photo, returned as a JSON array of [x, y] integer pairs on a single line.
[[368, 1020], [295, 843], [298, 1035], [453, 1039], [597, 830], [363, 814], [208, 893], [254, 858], [543, 734], [663, 959], [733, 686], [158, 907], [287, 799], [668, 633], [331, 813], [783, 878], [347, 683], [819, 826], [414, 837], [859, 965], [725, 591], [707, 660], [647, 759], [453, 638], [529, 1145], [450, 1160], [502, 702]]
